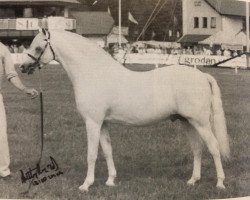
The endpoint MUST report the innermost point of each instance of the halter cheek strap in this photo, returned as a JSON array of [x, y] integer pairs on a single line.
[[37, 60]]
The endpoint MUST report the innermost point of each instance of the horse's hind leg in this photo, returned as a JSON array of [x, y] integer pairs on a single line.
[[107, 150], [207, 135], [196, 146], [93, 135]]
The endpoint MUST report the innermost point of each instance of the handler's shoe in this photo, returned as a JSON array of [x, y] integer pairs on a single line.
[[5, 178], [5, 173]]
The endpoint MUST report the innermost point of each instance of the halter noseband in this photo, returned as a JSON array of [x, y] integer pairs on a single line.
[[37, 60]]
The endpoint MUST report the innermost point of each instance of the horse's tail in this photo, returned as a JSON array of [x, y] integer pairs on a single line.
[[219, 121]]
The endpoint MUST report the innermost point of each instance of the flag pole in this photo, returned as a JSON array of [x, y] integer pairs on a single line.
[[247, 30], [120, 24]]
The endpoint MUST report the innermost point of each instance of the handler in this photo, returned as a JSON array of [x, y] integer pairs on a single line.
[[7, 66]]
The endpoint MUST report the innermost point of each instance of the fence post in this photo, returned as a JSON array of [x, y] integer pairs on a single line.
[[236, 69]]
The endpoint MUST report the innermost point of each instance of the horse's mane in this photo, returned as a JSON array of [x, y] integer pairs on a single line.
[[86, 46]]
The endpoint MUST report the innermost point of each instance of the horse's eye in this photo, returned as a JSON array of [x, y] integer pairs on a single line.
[[38, 49]]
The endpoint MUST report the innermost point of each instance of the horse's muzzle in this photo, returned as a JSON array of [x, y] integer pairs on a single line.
[[23, 69], [29, 69]]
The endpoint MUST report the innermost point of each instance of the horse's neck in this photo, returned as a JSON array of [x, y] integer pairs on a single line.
[[82, 60]]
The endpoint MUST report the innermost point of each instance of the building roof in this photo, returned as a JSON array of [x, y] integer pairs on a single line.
[[36, 2], [228, 7], [192, 38], [93, 23], [223, 37]]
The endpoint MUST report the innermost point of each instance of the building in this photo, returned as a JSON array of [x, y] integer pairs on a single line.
[[94, 25], [21, 19], [213, 22]]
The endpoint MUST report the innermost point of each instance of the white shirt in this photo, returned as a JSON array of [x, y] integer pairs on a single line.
[[6, 64]]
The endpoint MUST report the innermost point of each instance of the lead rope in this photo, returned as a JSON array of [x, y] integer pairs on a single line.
[[26, 193], [41, 112]]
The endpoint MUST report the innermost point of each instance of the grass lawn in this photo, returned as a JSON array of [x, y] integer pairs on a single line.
[[152, 162]]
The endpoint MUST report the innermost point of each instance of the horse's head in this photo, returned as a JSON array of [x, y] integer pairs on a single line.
[[39, 53]]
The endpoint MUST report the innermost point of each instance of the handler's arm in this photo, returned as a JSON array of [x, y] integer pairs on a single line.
[[12, 76]]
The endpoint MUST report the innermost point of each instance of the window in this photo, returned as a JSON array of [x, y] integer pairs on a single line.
[[197, 3], [204, 19], [213, 22], [196, 22]]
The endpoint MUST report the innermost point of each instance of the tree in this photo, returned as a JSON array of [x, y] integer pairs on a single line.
[[169, 17]]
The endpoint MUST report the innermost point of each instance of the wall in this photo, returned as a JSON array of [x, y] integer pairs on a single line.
[[199, 8]]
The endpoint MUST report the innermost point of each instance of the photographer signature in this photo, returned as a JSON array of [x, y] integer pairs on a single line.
[[40, 175]]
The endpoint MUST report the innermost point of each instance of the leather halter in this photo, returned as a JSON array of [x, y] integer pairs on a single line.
[[37, 60]]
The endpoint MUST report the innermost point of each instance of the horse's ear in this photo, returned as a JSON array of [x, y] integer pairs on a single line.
[[42, 30]]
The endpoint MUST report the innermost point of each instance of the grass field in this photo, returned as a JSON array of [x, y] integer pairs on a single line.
[[152, 162]]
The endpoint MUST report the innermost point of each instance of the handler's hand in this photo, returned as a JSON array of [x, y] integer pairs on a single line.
[[31, 92]]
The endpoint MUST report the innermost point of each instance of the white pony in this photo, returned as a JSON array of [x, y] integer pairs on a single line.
[[105, 92]]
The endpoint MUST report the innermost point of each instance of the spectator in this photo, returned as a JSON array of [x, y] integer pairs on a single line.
[[15, 48], [189, 51], [235, 53], [21, 49], [219, 52], [227, 53], [11, 48]]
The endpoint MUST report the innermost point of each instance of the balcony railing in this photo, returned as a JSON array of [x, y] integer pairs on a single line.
[[35, 23]]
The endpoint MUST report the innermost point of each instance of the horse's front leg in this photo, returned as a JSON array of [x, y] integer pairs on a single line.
[[107, 150], [93, 135]]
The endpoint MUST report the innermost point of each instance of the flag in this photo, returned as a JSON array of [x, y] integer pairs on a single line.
[[153, 35], [131, 18], [178, 34], [170, 33], [109, 10]]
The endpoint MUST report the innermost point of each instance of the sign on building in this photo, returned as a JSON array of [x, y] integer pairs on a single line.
[[61, 23], [56, 23], [70, 24], [4, 24], [27, 24]]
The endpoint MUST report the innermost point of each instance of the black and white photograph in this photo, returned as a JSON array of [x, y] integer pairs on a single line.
[[125, 99]]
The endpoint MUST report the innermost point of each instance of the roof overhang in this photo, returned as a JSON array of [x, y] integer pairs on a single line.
[[71, 3], [229, 7], [93, 23], [192, 38], [17, 33]]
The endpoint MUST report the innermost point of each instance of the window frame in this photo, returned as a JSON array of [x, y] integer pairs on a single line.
[[213, 22], [204, 22], [196, 22]]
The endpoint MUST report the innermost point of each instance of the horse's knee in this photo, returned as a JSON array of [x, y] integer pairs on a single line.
[[91, 159]]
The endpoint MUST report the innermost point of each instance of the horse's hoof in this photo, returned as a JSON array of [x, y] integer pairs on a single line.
[[84, 188], [110, 183], [192, 181], [220, 186]]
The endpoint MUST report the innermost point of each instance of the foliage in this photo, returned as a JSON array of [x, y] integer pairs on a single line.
[[141, 10]]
